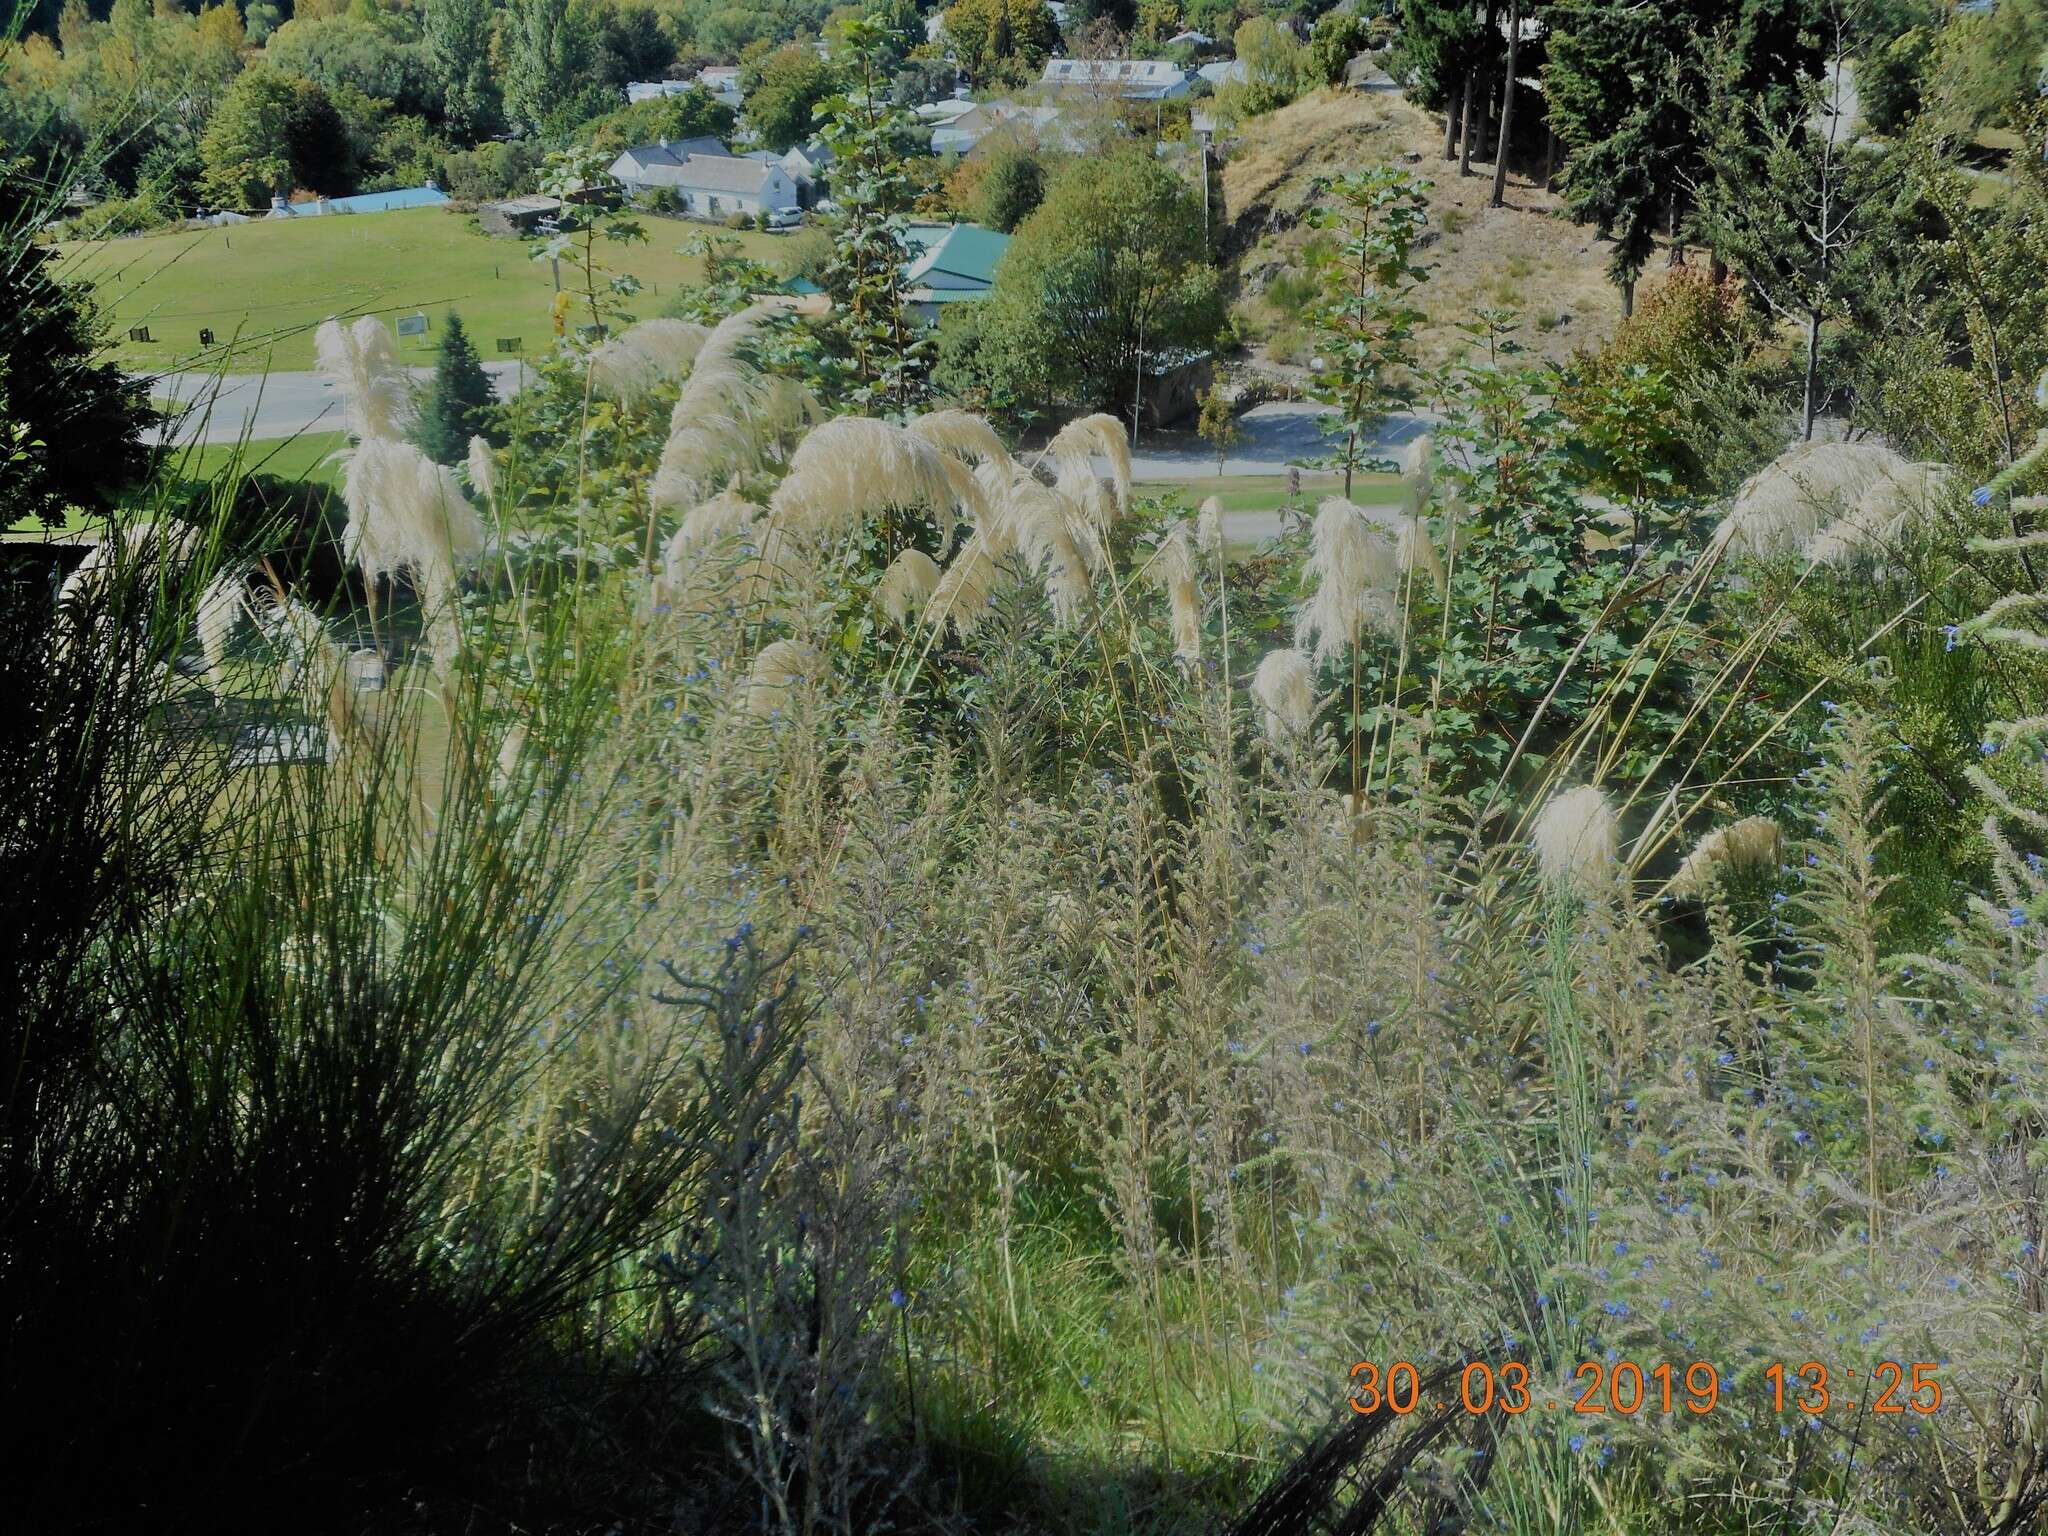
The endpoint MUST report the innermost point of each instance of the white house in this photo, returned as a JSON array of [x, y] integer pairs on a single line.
[[654, 90], [1132, 79], [1045, 124], [717, 186], [722, 81], [646, 166]]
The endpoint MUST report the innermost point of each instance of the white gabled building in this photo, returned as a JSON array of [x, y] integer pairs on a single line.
[[1132, 79], [715, 187]]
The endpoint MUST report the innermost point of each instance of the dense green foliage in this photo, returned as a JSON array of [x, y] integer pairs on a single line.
[[1111, 268]]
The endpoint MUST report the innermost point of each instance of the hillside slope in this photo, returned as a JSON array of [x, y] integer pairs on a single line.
[[1527, 254]]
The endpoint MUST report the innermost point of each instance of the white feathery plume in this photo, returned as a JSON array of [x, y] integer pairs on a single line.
[[1418, 472], [853, 467], [963, 435], [1054, 541], [405, 512], [643, 356], [713, 433], [777, 669], [1578, 841], [703, 527], [1357, 572], [1284, 686], [906, 585], [1173, 569], [222, 607], [1881, 514], [1209, 526], [1752, 843], [1080, 442], [1800, 492], [482, 469], [965, 590], [362, 362], [144, 548], [1073, 451]]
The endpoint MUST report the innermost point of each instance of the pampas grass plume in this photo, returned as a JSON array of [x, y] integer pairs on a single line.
[[1209, 526], [965, 590], [907, 584], [1356, 571], [482, 468], [1284, 687], [853, 467], [779, 667], [222, 607], [1755, 842], [361, 361], [1173, 569], [1800, 492], [1578, 841]]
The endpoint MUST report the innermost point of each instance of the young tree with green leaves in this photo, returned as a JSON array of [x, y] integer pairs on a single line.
[[783, 92], [1365, 319], [1785, 196], [1218, 423], [272, 132], [884, 350], [459, 400], [1112, 270], [1001, 39]]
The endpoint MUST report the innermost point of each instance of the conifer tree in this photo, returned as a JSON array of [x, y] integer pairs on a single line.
[[459, 399]]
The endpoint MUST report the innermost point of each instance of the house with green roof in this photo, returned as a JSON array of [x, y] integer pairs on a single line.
[[952, 264], [949, 264]]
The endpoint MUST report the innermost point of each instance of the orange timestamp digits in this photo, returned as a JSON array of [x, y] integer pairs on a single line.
[[1891, 1387], [1624, 1387]]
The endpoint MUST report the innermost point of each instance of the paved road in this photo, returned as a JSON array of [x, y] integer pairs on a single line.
[[221, 408], [1271, 437]]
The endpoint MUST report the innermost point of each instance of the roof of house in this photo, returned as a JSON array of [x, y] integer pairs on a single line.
[[526, 205], [1128, 75], [957, 261], [725, 173], [1223, 71], [670, 154]]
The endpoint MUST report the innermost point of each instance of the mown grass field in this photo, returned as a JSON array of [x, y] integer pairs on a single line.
[[261, 288]]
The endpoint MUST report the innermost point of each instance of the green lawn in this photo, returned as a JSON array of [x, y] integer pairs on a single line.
[[1263, 493], [271, 283]]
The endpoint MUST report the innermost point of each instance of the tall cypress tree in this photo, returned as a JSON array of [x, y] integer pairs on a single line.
[[459, 399]]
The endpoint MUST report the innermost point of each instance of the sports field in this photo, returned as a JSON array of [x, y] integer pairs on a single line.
[[262, 287]]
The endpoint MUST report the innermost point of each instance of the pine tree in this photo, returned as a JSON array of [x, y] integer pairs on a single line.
[[70, 422], [459, 400], [1443, 48]]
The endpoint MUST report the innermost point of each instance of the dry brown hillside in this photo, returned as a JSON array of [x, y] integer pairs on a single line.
[[1526, 254]]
